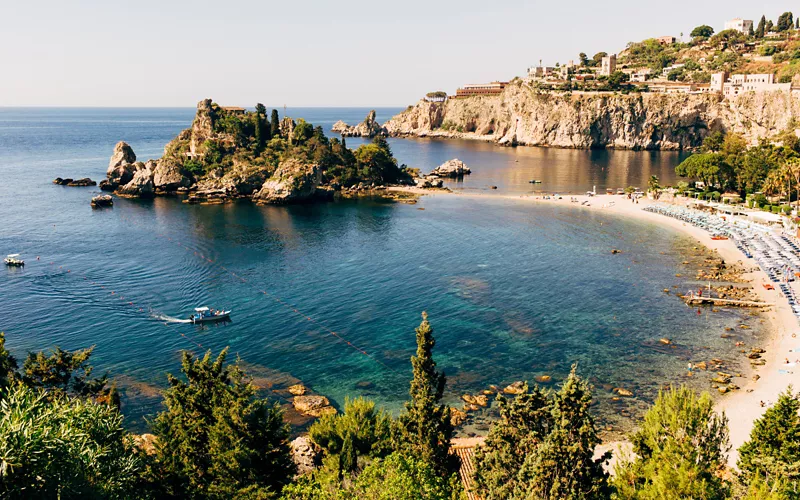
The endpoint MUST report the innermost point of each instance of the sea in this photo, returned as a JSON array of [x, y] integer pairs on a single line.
[[329, 295]]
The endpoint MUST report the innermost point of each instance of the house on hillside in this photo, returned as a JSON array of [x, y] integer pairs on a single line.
[[608, 65], [740, 25], [666, 40]]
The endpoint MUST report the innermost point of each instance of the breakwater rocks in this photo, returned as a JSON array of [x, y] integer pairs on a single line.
[[522, 115]]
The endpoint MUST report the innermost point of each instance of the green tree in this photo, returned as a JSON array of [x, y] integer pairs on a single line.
[[680, 450], [773, 452], [583, 58], [769, 26], [367, 429], [762, 27], [216, 439], [703, 31], [395, 477], [597, 59], [275, 124], [543, 447], [8, 365], [262, 133], [302, 131], [785, 22], [55, 446], [376, 162], [424, 430], [616, 79], [705, 167], [67, 373]]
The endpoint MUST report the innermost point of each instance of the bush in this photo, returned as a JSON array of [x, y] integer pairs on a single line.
[[54, 446]]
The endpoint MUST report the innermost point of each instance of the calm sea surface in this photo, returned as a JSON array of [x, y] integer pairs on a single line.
[[512, 291]]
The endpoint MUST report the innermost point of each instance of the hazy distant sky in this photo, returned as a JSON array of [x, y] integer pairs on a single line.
[[312, 52]]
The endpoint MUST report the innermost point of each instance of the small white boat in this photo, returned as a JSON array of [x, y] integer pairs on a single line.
[[13, 260], [206, 315]]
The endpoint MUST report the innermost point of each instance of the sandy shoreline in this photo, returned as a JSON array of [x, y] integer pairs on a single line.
[[742, 407]]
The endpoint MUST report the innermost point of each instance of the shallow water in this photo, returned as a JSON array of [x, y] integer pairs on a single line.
[[513, 291]]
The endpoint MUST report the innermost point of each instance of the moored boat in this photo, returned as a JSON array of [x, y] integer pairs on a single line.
[[206, 315], [13, 260]]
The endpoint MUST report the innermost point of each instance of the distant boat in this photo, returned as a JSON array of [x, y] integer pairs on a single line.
[[206, 315], [13, 260], [534, 181]]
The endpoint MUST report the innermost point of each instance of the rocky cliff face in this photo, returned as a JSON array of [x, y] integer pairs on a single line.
[[521, 115]]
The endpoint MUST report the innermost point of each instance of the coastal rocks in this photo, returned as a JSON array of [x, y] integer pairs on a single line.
[[451, 168], [293, 181], [615, 251], [297, 389], [123, 155], [305, 454], [141, 184], [82, 182], [168, 177], [428, 182], [368, 128], [623, 392], [457, 417], [74, 183], [543, 379], [102, 201], [313, 406]]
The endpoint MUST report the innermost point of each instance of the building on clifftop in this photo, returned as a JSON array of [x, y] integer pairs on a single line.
[[608, 65], [740, 25], [473, 89]]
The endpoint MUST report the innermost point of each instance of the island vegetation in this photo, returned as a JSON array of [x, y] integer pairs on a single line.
[[232, 152], [62, 436]]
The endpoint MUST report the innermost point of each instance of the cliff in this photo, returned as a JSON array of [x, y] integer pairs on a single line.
[[522, 115]]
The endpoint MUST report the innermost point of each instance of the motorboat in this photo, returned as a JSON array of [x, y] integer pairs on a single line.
[[13, 260], [206, 315], [534, 181]]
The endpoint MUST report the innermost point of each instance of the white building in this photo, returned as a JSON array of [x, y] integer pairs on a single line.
[[640, 75], [740, 25], [540, 72], [739, 84], [608, 65], [665, 72]]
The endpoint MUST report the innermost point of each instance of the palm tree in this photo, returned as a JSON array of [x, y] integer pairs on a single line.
[[653, 186]]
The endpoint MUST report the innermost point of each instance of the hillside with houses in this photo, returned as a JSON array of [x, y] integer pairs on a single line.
[[663, 93]]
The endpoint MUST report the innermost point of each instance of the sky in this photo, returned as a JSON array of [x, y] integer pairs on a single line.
[[312, 52]]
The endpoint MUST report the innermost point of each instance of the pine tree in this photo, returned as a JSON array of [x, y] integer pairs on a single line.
[[275, 125], [424, 430], [762, 27], [563, 465], [524, 422], [344, 143], [680, 450], [773, 451], [785, 21], [215, 438], [769, 26]]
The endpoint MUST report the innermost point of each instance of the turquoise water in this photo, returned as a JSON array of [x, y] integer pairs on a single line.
[[513, 291]]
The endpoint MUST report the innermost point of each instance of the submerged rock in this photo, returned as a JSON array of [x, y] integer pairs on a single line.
[[314, 406], [297, 389], [517, 387]]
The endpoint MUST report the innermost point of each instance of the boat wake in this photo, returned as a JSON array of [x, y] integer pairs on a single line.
[[167, 319]]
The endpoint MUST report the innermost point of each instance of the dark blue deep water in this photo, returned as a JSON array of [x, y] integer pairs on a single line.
[[513, 291]]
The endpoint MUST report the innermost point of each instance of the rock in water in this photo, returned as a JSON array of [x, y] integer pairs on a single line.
[[141, 185], [297, 389], [314, 406], [82, 182], [292, 182], [517, 387], [102, 201], [368, 128], [61, 182], [122, 155], [451, 168]]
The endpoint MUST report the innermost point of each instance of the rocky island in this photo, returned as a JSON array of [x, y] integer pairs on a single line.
[[231, 153]]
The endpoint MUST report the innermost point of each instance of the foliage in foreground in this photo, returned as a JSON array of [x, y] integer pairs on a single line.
[[680, 450], [772, 455], [216, 439], [542, 447], [64, 447]]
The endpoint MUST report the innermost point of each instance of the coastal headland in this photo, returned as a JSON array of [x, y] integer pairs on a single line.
[[523, 115]]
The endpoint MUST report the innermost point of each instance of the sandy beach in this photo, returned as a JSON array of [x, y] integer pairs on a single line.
[[743, 406]]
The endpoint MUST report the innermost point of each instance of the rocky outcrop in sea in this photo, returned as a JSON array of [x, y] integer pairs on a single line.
[[368, 128], [522, 115]]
